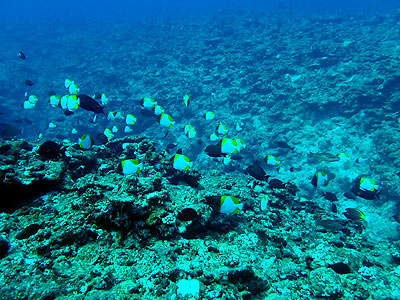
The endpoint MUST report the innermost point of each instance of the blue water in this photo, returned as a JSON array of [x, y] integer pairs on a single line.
[[48, 11]]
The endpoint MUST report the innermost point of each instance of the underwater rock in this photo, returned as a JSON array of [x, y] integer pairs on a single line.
[[24, 176], [246, 280]]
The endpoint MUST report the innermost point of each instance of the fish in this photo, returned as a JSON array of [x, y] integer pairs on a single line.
[[166, 120], [181, 162], [354, 214], [68, 113], [228, 146], [225, 204], [21, 55], [213, 137], [221, 129], [343, 157], [28, 82], [130, 119], [330, 196], [30, 102], [257, 172], [23, 121], [102, 138], [324, 156], [8, 131], [108, 134], [131, 166], [320, 178], [214, 150], [148, 102], [264, 203], [50, 150], [276, 184], [157, 110], [209, 115], [170, 147], [54, 100], [368, 195], [340, 268], [89, 104], [190, 131], [366, 188], [85, 141], [71, 86], [186, 100], [350, 195], [283, 145], [367, 184], [187, 214], [191, 180], [147, 113], [271, 160]]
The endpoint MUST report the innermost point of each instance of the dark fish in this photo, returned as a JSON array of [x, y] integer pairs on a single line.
[[257, 172], [213, 150], [50, 149], [102, 138], [276, 184], [28, 82], [21, 55], [68, 113], [354, 214], [88, 103], [397, 217], [147, 113], [170, 147], [8, 131], [187, 214], [166, 133], [334, 208], [330, 196], [340, 268], [61, 137], [23, 120], [191, 180], [284, 145], [350, 195], [369, 195], [237, 157]]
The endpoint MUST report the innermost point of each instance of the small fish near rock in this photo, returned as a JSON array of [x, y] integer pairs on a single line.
[[340, 268], [284, 145], [50, 150], [324, 156], [354, 214], [330, 196], [257, 172]]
